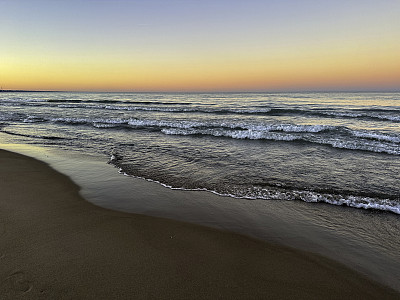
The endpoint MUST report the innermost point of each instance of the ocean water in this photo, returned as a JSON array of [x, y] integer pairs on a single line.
[[337, 148]]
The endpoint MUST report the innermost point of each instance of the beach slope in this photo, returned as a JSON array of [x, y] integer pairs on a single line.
[[55, 245]]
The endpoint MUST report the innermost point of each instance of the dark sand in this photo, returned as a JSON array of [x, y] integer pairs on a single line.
[[55, 245]]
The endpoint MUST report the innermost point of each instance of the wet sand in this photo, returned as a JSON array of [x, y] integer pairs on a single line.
[[55, 245]]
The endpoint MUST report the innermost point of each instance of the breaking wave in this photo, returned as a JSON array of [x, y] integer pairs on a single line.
[[335, 136], [381, 114], [258, 193]]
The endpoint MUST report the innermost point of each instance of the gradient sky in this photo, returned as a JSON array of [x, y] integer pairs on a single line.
[[200, 45]]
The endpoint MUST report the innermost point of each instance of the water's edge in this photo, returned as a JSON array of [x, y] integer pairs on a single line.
[[316, 228]]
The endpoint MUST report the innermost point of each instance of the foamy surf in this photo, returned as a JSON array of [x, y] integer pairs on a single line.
[[340, 149]]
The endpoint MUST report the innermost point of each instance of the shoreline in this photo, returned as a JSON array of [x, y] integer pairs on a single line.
[[365, 241], [59, 246]]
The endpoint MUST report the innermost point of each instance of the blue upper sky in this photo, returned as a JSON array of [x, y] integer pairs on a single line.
[[222, 38]]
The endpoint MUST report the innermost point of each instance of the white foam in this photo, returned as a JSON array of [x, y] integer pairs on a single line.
[[22, 100], [301, 128], [254, 193], [390, 118], [365, 145], [376, 136], [33, 119], [71, 120], [235, 134], [387, 117], [172, 124]]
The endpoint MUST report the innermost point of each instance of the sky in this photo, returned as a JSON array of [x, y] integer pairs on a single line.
[[200, 45]]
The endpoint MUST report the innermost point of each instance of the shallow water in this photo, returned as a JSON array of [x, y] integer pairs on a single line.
[[365, 240]]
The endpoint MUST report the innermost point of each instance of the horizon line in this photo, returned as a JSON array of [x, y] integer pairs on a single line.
[[200, 92]]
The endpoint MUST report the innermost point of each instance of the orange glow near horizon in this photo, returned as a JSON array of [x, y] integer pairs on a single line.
[[318, 55], [313, 72]]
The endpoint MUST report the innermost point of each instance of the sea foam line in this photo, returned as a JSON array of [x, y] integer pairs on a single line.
[[306, 196]]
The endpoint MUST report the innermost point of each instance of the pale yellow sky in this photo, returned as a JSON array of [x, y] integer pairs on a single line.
[[128, 46]]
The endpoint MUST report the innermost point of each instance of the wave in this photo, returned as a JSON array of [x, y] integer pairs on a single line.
[[335, 136], [120, 102], [34, 136], [212, 125], [235, 134], [90, 104], [169, 109], [366, 115], [336, 141], [99, 123], [363, 202], [376, 136], [379, 110], [258, 193], [11, 116], [382, 114], [33, 119], [21, 100]]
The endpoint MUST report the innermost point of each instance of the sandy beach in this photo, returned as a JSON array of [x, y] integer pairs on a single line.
[[55, 245]]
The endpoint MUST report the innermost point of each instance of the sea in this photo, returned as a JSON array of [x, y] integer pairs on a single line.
[[336, 148]]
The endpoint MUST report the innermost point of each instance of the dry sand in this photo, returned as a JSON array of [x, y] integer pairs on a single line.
[[55, 245]]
